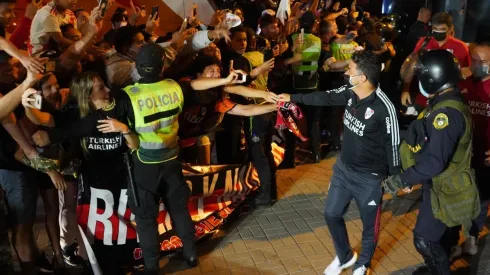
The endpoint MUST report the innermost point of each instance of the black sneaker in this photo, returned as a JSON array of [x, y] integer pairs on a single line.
[[43, 264], [71, 257]]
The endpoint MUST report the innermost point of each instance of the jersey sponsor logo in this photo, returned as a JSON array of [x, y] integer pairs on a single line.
[[104, 144], [158, 101], [353, 124], [441, 121], [349, 102], [388, 125], [479, 108], [369, 113]]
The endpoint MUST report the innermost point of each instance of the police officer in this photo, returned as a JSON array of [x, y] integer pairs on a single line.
[[437, 153], [305, 80], [153, 114]]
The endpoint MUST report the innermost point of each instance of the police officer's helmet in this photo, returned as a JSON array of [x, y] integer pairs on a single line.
[[438, 70]]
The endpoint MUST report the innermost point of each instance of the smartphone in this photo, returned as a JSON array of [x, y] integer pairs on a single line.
[[383, 42], [268, 54], [38, 101], [183, 27], [103, 7], [154, 10], [50, 66], [241, 77]]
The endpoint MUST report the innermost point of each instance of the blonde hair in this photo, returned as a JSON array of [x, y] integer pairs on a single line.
[[81, 88]]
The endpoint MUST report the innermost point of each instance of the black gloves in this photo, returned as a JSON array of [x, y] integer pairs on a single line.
[[392, 184]]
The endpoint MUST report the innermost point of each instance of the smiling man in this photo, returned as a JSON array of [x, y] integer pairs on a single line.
[[371, 130]]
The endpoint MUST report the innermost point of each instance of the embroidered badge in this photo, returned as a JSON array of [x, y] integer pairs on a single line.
[[441, 121]]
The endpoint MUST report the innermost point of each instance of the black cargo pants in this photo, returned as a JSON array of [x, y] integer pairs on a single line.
[[152, 182]]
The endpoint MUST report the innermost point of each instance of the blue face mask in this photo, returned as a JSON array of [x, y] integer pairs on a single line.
[[422, 91]]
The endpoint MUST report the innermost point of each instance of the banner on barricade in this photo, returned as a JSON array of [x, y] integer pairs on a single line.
[[216, 191]]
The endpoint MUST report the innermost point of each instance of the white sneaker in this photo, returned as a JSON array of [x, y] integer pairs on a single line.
[[456, 251], [335, 268], [360, 271], [470, 247]]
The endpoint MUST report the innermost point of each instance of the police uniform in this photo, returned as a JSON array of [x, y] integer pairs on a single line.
[[156, 105], [437, 154], [305, 80]]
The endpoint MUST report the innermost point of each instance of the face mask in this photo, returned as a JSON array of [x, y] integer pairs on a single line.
[[422, 91], [348, 80], [480, 71], [120, 24], [439, 36]]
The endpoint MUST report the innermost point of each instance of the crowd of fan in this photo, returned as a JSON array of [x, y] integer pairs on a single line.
[[58, 51]]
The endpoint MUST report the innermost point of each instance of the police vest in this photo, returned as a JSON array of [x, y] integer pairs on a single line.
[[305, 74], [156, 109], [343, 51], [454, 195]]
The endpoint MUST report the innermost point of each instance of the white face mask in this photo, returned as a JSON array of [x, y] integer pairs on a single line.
[[422, 91], [352, 84], [120, 24]]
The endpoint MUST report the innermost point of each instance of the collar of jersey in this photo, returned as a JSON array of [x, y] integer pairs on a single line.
[[110, 106]]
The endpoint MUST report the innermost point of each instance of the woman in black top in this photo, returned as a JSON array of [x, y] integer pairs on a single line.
[[101, 133]]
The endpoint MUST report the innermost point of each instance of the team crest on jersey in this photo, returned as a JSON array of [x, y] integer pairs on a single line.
[[349, 102], [369, 113]]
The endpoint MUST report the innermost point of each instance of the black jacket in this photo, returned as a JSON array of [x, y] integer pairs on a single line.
[[371, 135]]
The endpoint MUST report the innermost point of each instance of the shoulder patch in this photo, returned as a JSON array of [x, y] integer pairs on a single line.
[[441, 121]]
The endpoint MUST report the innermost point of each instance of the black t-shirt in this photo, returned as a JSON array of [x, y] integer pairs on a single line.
[[104, 162], [8, 147]]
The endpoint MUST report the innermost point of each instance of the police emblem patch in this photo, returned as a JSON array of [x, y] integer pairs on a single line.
[[441, 121]]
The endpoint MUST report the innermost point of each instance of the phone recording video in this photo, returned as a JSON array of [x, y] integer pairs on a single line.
[[103, 7], [38, 100], [154, 10]]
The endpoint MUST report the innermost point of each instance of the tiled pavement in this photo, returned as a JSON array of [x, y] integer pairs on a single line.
[[291, 237]]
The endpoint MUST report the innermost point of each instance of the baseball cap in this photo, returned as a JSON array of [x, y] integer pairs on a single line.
[[149, 60], [307, 19]]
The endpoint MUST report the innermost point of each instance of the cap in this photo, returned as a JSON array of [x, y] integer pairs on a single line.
[[307, 19], [149, 60]]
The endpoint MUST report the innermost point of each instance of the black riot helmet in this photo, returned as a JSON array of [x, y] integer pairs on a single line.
[[437, 71]]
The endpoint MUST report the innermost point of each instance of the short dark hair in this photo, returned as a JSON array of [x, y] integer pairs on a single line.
[[235, 30], [124, 37], [368, 64], [78, 11], [267, 20], [118, 17], [484, 44], [202, 62], [66, 27], [8, 1], [325, 27], [442, 18]]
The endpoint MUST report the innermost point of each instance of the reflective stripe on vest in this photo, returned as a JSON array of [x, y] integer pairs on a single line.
[[310, 51], [156, 108]]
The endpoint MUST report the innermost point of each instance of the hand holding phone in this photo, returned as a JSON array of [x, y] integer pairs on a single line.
[[32, 99], [154, 11], [103, 7]]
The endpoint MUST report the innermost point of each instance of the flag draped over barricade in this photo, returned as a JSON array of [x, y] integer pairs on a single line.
[[216, 191]]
